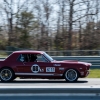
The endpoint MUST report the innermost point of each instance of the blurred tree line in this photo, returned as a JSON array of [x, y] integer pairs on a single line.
[[50, 24]]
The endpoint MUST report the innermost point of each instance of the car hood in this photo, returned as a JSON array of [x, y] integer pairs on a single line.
[[73, 62]]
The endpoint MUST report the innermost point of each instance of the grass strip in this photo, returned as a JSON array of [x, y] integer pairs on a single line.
[[94, 73]]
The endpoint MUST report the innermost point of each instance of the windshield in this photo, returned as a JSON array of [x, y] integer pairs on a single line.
[[48, 57]]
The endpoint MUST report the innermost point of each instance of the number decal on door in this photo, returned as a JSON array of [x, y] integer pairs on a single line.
[[35, 68], [50, 69]]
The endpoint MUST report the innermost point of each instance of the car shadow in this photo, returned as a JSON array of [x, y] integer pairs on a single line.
[[43, 81]]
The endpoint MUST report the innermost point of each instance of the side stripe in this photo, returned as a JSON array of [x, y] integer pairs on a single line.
[[42, 74]]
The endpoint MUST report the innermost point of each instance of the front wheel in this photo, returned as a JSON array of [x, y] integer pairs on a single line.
[[6, 75], [71, 75]]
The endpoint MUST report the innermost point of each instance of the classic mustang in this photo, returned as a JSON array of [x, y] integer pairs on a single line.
[[38, 64]]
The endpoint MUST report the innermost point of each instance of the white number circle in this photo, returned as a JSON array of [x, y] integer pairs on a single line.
[[35, 68]]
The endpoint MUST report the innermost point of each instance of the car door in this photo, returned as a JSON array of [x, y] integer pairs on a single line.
[[40, 67]]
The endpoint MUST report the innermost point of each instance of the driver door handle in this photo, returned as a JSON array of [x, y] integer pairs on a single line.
[[24, 63]]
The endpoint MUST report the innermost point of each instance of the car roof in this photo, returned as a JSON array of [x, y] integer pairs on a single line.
[[29, 51]]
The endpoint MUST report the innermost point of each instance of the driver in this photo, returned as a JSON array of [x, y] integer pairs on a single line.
[[33, 58]]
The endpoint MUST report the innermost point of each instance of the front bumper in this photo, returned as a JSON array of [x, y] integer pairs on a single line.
[[84, 74]]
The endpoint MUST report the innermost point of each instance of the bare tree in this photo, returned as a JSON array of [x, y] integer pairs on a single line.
[[44, 11], [10, 10], [67, 19]]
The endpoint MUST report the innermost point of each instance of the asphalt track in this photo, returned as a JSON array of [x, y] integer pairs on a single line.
[[28, 89], [82, 82]]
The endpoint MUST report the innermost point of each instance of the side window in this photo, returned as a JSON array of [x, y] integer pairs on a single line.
[[41, 58], [32, 57], [27, 58], [21, 58]]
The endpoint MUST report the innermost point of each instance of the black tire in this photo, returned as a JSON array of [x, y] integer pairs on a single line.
[[6, 75], [71, 75]]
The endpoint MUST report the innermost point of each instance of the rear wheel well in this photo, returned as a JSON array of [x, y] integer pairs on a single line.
[[7, 74], [8, 68]]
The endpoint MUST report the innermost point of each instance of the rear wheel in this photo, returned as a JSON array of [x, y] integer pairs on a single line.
[[71, 75], [6, 75]]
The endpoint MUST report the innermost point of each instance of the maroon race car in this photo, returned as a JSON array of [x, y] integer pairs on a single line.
[[38, 64]]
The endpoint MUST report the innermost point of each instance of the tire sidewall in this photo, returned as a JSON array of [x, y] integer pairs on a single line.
[[12, 75], [66, 78]]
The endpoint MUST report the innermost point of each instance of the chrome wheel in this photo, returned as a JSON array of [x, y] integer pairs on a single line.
[[71, 75], [6, 74]]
